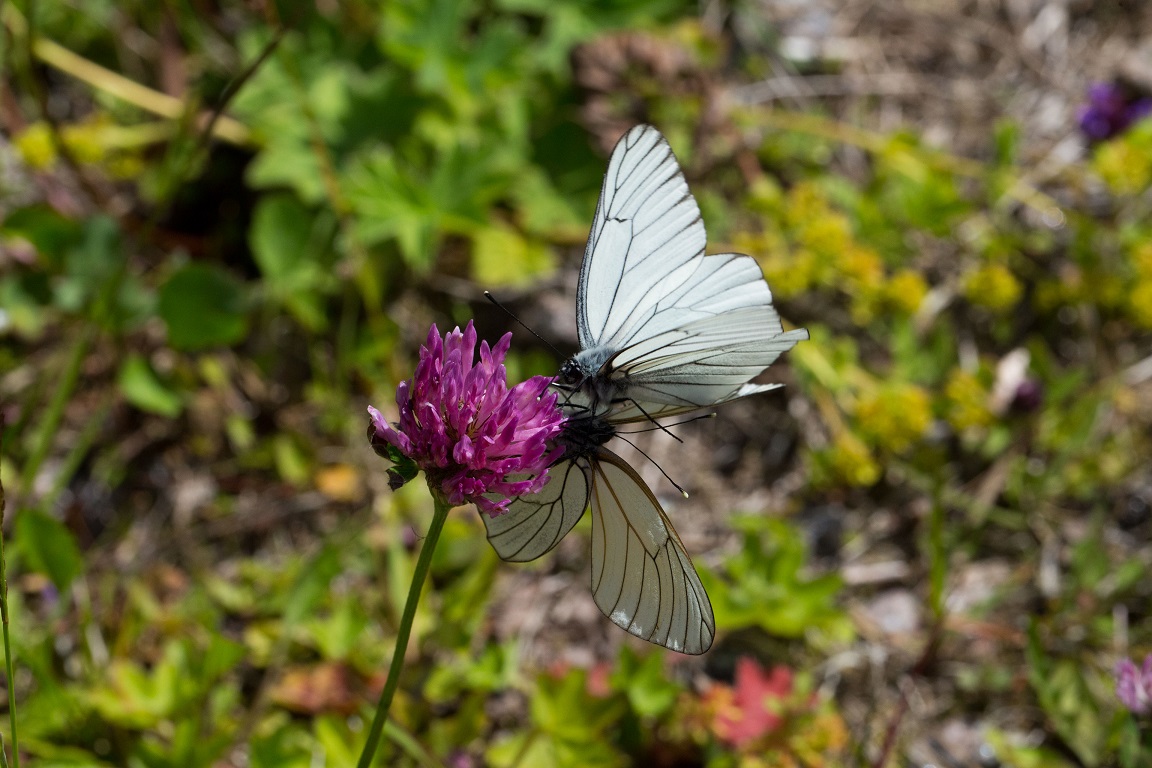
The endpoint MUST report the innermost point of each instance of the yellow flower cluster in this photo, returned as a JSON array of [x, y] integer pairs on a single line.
[[1125, 164], [993, 286], [35, 146], [827, 234], [1074, 285], [895, 416], [1140, 303], [966, 400], [906, 291], [823, 742], [83, 141], [861, 268], [38, 150], [807, 212], [89, 143], [790, 274], [1139, 298], [1123, 288], [850, 461], [814, 246]]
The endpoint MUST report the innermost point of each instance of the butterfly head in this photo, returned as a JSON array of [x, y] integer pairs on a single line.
[[585, 374], [571, 376]]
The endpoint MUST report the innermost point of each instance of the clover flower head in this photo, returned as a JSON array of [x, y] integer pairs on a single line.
[[476, 440], [1134, 685], [1110, 110]]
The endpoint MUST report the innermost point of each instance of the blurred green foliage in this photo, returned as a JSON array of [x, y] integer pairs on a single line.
[[206, 567]]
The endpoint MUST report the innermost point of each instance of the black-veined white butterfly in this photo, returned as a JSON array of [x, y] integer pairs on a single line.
[[663, 330]]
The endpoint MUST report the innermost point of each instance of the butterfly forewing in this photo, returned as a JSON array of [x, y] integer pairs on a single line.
[[683, 329], [642, 578], [644, 239], [535, 523]]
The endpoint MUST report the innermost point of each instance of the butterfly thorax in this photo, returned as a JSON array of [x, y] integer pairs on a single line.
[[584, 374]]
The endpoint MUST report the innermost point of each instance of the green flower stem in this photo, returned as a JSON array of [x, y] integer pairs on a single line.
[[405, 629], [7, 645]]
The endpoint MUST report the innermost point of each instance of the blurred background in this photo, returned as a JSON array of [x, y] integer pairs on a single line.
[[227, 226]]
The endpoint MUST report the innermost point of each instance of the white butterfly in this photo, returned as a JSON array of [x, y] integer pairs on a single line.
[[664, 330]]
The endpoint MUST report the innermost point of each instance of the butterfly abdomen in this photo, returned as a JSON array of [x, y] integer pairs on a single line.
[[581, 435]]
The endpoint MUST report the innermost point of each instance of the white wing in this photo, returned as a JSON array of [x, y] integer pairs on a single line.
[[642, 578], [534, 524], [645, 239], [700, 364], [686, 330]]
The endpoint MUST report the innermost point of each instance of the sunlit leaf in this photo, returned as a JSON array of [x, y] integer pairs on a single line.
[[203, 306], [290, 244], [49, 547], [143, 389], [502, 256]]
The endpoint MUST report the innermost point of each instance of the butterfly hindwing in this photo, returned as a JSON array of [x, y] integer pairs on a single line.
[[533, 524], [642, 578]]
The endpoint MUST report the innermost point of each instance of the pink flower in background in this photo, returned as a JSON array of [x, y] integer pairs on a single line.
[[1134, 685], [462, 425], [754, 706]]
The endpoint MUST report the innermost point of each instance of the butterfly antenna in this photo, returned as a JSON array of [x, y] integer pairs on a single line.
[[657, 424], [675, 484], [512, 315], [711, 415]]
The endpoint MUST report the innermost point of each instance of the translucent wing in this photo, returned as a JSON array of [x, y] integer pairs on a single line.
[[534, 524], [642, 578]]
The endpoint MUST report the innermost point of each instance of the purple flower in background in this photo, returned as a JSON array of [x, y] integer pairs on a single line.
[[1029, 396], [476, 440], [1134, 685], [1110, 110]]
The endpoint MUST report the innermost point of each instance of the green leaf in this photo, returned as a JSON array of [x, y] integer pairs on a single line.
[[50, 233], [311, 585], [143, 389], [413, 199], [339, 631], [292, 462], [1007, 140], [649, 689], [49, 547], [766, 585], [289, 162], [403, 470], [279, 238], [217, 659], [22, 311], [290, 247], [1010, 752], [336, 745], [97, 259], [502, 256], [203, 306], [1064, 693], [130, 698]]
